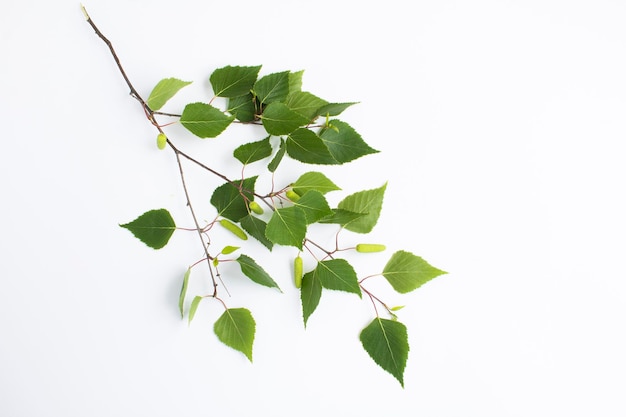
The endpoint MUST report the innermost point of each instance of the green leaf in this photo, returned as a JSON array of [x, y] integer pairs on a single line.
[[344, 143], [256, 228], [334, 109], [204, 121], [243, 108], [253, 151], [287, 226], [341, 217], [235, 328], [406, 271], [305, 104], [338, 274], [368, 201], [314, 205], [183, 292], [229, 199], [386, 341], [305, 146], [272, 87], [272, 166], [278, 119], [229, 249], [163, 91], [310, 294], [194, 307], [233, 81], [313, 181], [295, 81], [154, 228], [253, 271]]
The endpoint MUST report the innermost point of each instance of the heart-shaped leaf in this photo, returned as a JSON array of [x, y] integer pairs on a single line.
[[338, 274], [386, 341], [278, 119], [163, 91], [314, 205], [314, 181], [154, 228], [368, 202], [236, 328], [305, 146], [406, 271], [204, 120], [310, 294], [253, 271], [344, 143], [272, 87], [253, 151], [230, 198], [287, 226], [233, 81]]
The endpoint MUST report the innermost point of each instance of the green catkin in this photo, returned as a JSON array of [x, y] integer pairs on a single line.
[[297, 271], [234, 229], [370, 247]]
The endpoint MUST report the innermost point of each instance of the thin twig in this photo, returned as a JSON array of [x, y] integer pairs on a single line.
[[195, 220], [133, 91]]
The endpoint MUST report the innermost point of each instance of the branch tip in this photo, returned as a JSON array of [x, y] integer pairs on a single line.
[[84, 12]]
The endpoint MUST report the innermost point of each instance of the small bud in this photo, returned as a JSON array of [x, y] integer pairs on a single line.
[[292, 195], [254, 206], [369, 247], [161, 141]]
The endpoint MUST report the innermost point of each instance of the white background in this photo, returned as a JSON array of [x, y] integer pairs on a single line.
[[501, 127]]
